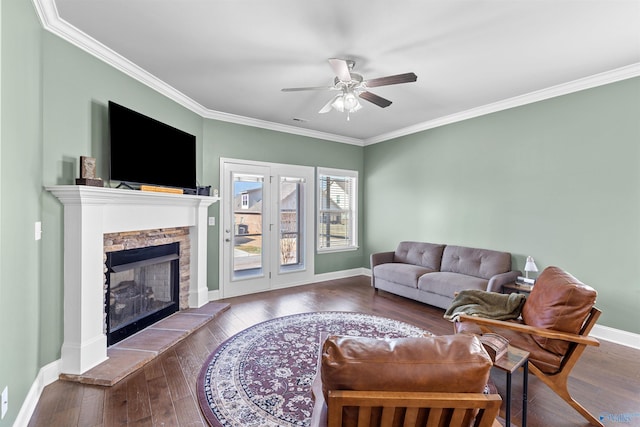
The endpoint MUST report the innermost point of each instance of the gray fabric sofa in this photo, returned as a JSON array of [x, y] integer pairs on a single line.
[[433, 273]]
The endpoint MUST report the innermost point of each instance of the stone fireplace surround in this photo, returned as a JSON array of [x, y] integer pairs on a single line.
[[123, 240], [89, 214], [120, 241]]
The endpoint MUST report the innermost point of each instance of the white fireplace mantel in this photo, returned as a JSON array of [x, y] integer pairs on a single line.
[[89, 213]]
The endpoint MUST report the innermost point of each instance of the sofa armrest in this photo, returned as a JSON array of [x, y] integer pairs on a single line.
[[499, 280], [377, 259], [381, 258]]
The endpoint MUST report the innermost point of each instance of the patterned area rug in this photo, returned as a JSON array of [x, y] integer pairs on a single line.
[[262, 376]]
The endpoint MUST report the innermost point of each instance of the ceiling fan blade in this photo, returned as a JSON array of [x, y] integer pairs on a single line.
[[298, 89], [392, 80], [375, 99], [327, 107], [340, 69]]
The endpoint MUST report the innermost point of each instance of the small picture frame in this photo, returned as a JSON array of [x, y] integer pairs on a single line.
[[88, 172], [87, 167]]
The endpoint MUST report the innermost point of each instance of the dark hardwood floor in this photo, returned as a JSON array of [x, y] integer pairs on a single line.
[[606, 379]]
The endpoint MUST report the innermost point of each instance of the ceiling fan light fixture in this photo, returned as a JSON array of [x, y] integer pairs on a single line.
[[338, 103], [348, 102]]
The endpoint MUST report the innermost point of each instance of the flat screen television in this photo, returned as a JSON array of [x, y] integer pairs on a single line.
[[146, 151]]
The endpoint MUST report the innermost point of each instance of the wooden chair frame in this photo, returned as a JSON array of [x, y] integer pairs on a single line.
[[415, 408], [578, 343]]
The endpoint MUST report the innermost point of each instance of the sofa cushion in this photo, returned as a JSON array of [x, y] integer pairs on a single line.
[[402, 274], [447, 284], [427, 255], [450, 363], [558, 301], [482, 263]]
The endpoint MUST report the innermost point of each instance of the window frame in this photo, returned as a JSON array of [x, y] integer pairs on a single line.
[[353, 208]]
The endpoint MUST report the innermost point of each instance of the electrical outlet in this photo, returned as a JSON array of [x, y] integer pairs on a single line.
[[38, 230], [5, 401], [212, 220]]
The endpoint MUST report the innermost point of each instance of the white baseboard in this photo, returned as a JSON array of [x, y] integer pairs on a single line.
[[214, 295], [334, 275], [47, 374], [617, 336]]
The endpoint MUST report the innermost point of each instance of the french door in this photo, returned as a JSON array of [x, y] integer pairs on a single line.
[[267, 226]]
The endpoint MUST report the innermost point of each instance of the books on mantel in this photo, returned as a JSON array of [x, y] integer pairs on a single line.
[[496, 345]]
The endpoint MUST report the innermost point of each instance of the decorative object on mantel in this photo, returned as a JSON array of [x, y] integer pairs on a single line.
[[204, 190], [88, 173]]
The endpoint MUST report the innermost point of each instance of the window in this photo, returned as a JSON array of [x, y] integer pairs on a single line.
[[245, 201], [337, 210]]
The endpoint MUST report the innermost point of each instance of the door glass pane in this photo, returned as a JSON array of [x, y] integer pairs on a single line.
[[290, 217], [247, 226]]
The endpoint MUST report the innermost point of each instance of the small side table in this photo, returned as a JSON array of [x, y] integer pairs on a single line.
[[510, 362], [518, 288]]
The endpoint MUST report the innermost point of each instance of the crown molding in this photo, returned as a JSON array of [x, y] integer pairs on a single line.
[[52, 22], [248, 121], [604, 78]]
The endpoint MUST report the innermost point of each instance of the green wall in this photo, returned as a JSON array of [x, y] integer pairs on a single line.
[[20, 190], [558, 180]]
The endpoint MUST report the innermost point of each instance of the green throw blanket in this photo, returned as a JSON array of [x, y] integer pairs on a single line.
[[485, 304]]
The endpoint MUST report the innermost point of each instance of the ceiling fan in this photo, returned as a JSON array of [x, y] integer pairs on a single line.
[[352, 86]]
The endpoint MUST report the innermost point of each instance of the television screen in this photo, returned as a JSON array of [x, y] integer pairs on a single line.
[[146, 151]]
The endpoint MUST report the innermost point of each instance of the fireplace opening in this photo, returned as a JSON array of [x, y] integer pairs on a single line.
[[142, 288]]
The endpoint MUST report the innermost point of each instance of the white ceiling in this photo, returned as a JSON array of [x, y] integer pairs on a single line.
[[229, 59]]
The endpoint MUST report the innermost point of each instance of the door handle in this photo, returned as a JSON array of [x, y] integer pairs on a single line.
[[227, 240]]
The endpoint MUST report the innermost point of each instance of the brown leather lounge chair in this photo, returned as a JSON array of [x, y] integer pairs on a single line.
[[404, 382], [554, 326]]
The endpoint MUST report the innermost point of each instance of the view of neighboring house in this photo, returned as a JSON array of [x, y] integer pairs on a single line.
[[335, 201], [248, 223]]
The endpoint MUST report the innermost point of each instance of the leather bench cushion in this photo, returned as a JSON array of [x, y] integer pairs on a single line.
[[483, 263], [428, 255], [450, 363], [447, 284], [402, 274], [560, 302], [546, 361]]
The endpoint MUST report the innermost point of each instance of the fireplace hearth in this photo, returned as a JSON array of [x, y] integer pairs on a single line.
[[142, 287]]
